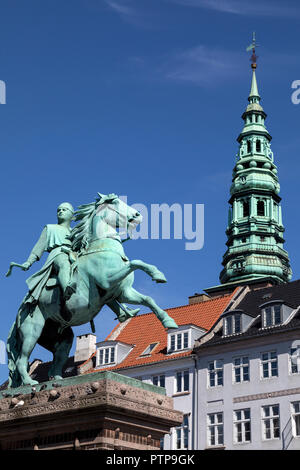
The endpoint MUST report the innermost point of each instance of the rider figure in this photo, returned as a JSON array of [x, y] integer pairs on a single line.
[[54, 239]]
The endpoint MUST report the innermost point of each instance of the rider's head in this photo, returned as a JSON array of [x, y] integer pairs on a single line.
[[65, 212]]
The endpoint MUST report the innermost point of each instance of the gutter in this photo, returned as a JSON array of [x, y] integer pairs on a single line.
[[195, 405]]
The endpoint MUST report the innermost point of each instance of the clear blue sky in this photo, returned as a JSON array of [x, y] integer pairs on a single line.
[[142, 98]]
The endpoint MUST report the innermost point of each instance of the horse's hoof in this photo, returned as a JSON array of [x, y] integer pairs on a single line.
[[159, 277], [169, 323], [30, 382]]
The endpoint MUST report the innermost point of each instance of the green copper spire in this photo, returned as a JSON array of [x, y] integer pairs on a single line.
[[255, 230], [254, 90]]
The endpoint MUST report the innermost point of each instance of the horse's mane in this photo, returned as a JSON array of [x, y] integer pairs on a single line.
[[80, 233]]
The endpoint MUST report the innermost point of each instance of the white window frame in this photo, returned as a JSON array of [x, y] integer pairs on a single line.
[[159, 380], [232, 319], [295, 414], [103, 352], [269, 362], [273, 315], [271, 417], [179, 342], [242, 422], [216, 369], [294, 360], [182, 373], [181, 434], [215, 427], [240, 366]]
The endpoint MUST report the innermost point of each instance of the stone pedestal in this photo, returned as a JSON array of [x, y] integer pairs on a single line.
[[95, 411]]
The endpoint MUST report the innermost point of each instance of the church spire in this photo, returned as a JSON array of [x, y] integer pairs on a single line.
[[255, 230], [254, 90]]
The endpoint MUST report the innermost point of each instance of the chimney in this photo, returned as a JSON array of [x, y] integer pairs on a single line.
[[198, 298], [85, 347]]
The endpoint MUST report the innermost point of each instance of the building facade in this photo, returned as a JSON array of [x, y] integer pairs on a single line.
[[249, 374]]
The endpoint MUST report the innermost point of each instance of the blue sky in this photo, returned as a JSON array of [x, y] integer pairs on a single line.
[[142, 98]]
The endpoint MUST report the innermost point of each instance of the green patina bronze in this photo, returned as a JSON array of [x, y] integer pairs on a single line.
[[86, 269], [85, 378], [255, 229]]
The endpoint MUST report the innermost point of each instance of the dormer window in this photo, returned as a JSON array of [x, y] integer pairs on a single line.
[[107, 355], [272, 316], [179, 341], [111, 352], [232, 324]]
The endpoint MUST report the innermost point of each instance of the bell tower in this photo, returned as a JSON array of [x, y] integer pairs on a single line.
[[255, 229]]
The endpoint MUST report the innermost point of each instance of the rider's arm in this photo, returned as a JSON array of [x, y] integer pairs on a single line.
[[38, 248]]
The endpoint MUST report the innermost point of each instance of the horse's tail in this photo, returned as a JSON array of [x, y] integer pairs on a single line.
[[13, 352]]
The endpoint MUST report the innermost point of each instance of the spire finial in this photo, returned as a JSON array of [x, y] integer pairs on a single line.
[[252, 47]]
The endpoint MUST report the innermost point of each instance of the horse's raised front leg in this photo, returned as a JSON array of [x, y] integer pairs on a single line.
[[30, 331], [118, 276], [132, 296]]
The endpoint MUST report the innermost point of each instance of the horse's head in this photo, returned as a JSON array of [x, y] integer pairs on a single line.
[[116, 213], [101, 219]]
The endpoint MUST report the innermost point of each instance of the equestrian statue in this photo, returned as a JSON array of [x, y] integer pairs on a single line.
[[86, 269]]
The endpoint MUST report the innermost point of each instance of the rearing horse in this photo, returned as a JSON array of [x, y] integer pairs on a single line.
[[104, 276]]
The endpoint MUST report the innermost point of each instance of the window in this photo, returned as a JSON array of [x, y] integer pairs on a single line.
[[272, 316], [107, 356], [260, 208], [159, 380], [149, 349], [270, 422], [296, 418], [179, 341], [232, 324], [269, 365], [242, 426], [258, 146], [215, 430], [246, 211], [182, 381], [249, 147], [241, 369], [295, 360], [161, 443], [182, 434], [215, 373]]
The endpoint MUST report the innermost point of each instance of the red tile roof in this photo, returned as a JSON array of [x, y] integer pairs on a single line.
[[145, 329]]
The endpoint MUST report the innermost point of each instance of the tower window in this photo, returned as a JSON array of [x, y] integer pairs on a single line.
[[249, 146], [256, 118], [260, 208], [258, 146], [245, 208]]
